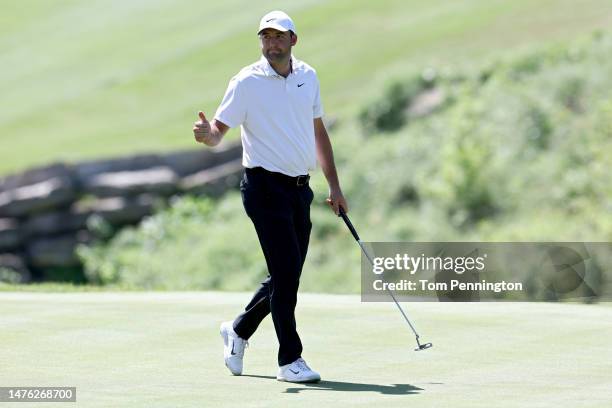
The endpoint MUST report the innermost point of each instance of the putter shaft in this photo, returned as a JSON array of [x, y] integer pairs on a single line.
[[350, 226]]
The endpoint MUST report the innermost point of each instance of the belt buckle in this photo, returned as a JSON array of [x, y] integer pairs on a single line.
[[302, 180]]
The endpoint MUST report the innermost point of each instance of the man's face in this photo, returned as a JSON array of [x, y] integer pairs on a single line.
[[276, 45]]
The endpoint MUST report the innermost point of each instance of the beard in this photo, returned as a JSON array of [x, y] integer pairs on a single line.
[[277, 55]]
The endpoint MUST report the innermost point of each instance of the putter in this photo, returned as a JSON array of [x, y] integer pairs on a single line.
[[348, 223]]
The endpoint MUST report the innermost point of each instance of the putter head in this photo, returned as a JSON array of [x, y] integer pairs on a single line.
[[423, 346]]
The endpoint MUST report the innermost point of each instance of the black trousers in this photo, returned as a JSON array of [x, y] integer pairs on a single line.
[[280, 212]]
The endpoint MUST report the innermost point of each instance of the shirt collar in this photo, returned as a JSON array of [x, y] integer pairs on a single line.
[[269, 71]]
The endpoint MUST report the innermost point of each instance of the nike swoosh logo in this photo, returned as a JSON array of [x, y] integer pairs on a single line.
[[233, 354], [267, 21], [301, 84], [294, 372]]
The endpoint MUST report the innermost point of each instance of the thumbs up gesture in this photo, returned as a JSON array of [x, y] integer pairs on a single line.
[[201, 128]]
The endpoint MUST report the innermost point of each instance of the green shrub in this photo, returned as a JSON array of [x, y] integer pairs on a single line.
[[389, 112]]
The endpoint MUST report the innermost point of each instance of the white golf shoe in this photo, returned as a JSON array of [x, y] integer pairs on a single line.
[[297, 372], [233, 348]]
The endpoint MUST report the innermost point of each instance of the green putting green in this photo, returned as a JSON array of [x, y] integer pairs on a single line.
[[164, 350]]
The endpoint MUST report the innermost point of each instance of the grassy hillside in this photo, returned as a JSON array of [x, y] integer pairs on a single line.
[[520, 150], [159, 350], [83, 79]]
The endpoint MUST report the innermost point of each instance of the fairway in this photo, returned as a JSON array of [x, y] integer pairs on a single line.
[[164, 350]]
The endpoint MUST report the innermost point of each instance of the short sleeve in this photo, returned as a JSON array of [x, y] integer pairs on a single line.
[[232, 110], [317, 107]]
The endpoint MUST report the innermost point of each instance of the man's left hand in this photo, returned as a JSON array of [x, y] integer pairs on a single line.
[[335, 200]]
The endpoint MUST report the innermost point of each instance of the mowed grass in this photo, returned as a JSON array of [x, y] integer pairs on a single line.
[[163, 349], [84, 79]]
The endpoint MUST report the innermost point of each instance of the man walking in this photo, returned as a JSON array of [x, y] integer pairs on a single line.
[[276, 102]]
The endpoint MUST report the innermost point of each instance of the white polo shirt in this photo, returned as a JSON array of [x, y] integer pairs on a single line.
[[275, 115]]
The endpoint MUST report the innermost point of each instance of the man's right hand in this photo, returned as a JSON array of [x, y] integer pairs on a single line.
[[201, 128]]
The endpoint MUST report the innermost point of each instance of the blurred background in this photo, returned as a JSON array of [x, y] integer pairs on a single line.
[[475, 120]]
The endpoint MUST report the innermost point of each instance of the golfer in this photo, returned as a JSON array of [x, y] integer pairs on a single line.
[[277, 104]]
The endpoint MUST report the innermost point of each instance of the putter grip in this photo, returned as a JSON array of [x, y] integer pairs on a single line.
[[348, 223]]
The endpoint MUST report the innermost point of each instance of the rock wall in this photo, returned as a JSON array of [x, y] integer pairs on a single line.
[[44, 212]]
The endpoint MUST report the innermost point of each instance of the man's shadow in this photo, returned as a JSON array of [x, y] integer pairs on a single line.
[[394, 389]]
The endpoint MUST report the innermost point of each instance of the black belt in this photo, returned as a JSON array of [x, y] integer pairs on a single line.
[[295, 181]]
